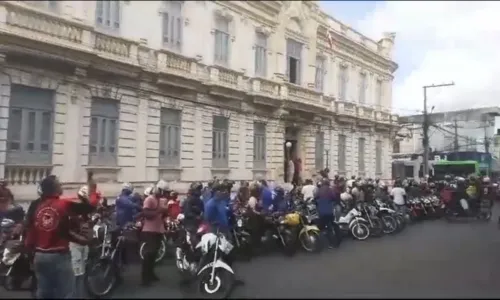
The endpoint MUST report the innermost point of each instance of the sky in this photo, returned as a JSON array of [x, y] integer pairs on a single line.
[[436, 42]]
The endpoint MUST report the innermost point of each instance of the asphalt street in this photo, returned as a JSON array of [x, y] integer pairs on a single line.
[[429, 259]]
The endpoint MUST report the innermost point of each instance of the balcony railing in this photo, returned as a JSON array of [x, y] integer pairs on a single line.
[[366, 112], [29, 22], [226, 78], [266, 88], [346, 108], [21, 175], [177, 64], [43, 26], [383, 117], [300, 94]]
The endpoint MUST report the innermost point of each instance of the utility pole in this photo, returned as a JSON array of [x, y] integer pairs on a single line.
[[455, 139], [427, 124], [487, 149]]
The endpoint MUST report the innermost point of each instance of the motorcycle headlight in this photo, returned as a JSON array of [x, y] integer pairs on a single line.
[[239, 223]]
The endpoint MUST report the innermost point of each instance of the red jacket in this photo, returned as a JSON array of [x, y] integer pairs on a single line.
[[173, 209], [49, 223]]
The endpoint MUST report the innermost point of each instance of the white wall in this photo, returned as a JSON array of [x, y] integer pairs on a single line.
[[139, 130]]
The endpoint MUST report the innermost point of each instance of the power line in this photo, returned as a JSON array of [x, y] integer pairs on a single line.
[[426, 125]]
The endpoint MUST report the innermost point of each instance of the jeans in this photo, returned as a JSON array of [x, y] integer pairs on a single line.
[[328, 226], [153, 243], [400, 208], [79, 255], [54, 274], [338, 211]]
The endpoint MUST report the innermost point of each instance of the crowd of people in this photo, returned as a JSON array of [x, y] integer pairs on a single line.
[[58, 229]]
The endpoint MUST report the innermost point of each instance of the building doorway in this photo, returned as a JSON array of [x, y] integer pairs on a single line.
[[290, 148]]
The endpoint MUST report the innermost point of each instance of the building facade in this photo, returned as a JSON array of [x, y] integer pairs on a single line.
[[463, 130], [188, 90]]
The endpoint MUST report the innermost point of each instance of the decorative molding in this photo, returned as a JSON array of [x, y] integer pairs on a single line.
[[264, 30], [224, 14]]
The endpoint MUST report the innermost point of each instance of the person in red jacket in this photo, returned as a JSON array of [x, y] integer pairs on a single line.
[[48, 235], [173, 206]]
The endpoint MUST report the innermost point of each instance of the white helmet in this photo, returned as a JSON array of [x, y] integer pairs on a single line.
[[486, 179], [381, 184], [162, 185], [83, 191], [149, 190], [127, 187]]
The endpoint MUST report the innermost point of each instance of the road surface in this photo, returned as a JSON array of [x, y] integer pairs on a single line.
[[429, 260]]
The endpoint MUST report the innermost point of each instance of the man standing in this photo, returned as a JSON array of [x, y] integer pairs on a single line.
[[398, 196], [290, 171], [325, 203], [153, 211]]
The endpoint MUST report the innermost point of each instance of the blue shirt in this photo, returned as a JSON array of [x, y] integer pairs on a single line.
[[216, 212], [126, 209], [267, 197], [206, 195], [324, 201]]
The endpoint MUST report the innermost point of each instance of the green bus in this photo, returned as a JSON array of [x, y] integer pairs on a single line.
[[462, 168]]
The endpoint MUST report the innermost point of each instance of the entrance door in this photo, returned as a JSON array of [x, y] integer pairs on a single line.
[[290, 152]]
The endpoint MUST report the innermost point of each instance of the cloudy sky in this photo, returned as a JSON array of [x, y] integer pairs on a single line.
[[436, 42]]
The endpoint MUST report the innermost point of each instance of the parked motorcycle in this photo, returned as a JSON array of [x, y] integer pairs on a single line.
[[215, 278], [241, 236], [352, 223], [103, 272], [282, 229], [17, 265], [399, 217], [309, 234], [186, 254], [388, 217], [369, 213]]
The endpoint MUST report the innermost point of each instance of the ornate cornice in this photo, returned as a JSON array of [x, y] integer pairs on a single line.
[[239, 9]]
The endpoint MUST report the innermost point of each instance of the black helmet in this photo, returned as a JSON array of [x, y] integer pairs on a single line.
[[196, 186]]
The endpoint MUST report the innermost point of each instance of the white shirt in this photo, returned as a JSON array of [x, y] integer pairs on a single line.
[[308, 191], [398, 194]]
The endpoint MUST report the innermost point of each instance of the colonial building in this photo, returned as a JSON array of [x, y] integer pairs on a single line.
[[188, 90]]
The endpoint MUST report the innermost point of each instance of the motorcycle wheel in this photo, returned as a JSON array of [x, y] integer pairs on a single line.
[[12, 283], [108, 276], [377, 227], [289, 243], [401, 222], [161, 252], [221, 286], [310, 241], [360, 231], [485, 216], [390, 225]]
